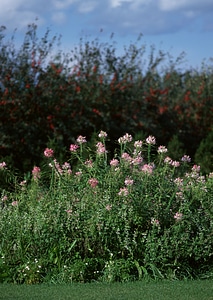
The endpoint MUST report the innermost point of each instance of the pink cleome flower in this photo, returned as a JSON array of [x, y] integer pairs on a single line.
[[100, 148], [3, 165], [114, 162], [162, 149], [48, 152], [81, 139], [93, 182], [102, 134], [125, 139], [123, 192], [178, 216], [151, 140], [128, 181], [109, 207], [147, 168], [73, 147], [186, 158], [138, 144], [36, 173]]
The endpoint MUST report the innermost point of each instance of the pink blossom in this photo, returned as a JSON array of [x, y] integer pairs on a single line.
[[123, 192], [175, 163], [124, 139], [137, 160], [114, 162], [23, 183], [178, 216], [100, 148], [186, 158], [128, 181], [4, 198], [73, 147], [147, 168], [126, 157], [168, 160], [69, 211], [67, 168], [138, 144], [162, 149], [89, 163], [178, 181], [36, 173], [102, 134], [48, 152], [14, 203], [57, 167], [81, 139], [155, 221], [196, 168], [179, 195], [108, 207], [79, 173], [93, 182], [151, 140], [3, 165]]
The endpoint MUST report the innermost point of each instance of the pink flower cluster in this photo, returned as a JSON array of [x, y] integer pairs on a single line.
[[171, 162], [36, 173], [150, 140], [81, 139], [162, 149], [128, 181], [100, 148], [114, 162], [186, 158], [48, 152], [123, 192], [138, 144], [155, 222], [93, 182], [73, 147], [102, 134], [125, 139], [147, 168], [3, 165], [178, 216], [65, 168]]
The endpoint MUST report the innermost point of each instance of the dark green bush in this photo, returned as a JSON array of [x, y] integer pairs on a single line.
[[204, 154], [47, 100]]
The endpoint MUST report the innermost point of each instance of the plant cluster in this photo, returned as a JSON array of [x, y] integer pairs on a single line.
[[45, 99], [104, 216]]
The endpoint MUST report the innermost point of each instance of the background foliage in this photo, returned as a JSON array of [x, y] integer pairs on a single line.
[[50, 101]]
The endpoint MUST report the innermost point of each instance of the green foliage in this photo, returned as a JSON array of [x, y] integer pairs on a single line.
[[46, 98], [136, 216], [176, 148], [204, 154]]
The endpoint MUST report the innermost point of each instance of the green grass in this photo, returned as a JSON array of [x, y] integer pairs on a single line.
[[175, 290]]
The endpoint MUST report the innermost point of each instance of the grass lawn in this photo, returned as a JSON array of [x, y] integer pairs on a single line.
[[176, 290]]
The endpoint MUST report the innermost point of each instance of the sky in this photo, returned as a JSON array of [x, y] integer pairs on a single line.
[[174, 26]]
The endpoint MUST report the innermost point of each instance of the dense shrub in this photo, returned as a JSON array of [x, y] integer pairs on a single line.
[[133, 217], [204, 154], [47, 100]]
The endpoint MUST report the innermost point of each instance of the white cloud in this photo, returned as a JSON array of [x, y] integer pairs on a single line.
[[59, 17], [123, 16], [87, 7], [62, 4], [172, 5], [117, 3]]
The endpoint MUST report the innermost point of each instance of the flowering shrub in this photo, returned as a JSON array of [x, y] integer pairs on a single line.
[[128, 217], [47, 100]]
